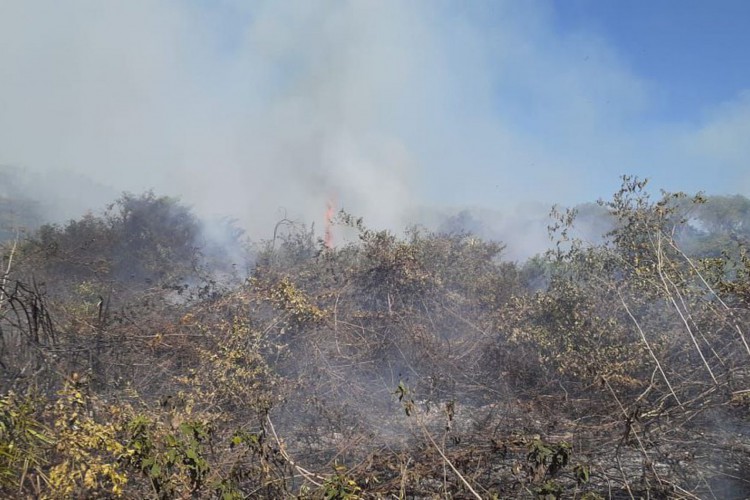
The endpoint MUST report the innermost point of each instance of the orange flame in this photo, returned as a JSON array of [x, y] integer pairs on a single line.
[[328, 235]]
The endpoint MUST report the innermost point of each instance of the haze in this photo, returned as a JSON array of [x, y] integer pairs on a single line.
[[261, 109]]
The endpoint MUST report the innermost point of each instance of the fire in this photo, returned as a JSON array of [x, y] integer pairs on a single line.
[[328, 235]]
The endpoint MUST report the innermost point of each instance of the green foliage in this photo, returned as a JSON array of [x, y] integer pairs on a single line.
[[391, 273], [174, 460], [404, 397], [590, 495], [157, 236], [582, 474], [23, 442], [731, 277], [340, 486], [287, 297], [84, 463], [231, 371], [142, 239], [550, 490], [726, 214], [548, 459], [254, 390], [575, 333]]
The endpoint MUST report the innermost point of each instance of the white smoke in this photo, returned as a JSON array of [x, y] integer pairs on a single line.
[[242, 107]]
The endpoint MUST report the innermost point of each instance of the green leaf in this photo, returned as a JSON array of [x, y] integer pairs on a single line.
[[155, 470]]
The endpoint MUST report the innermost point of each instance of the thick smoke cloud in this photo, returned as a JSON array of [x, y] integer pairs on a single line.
[[243, 108], [287, 110]]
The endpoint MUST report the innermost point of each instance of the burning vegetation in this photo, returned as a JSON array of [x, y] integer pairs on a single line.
[[138, 363]]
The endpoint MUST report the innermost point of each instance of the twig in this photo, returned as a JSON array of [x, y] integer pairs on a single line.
[[648, 346], [453, 468], [304, 472], [635, 434], [713, 292], [3, 294], [624, 476], [402, 489], [664, 279]]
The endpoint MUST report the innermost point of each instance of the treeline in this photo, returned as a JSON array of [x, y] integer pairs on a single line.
[[137, 361]]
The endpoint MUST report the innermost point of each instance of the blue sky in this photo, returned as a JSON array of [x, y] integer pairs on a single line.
[[260, 108], [695, 50]]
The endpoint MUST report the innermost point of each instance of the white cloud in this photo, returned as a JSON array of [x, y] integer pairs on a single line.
[[722, 142]]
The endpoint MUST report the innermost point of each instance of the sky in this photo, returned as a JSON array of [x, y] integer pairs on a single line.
[[266, 109]]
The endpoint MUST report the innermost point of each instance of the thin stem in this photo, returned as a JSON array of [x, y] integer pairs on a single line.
[[648, 346], [664, 278]]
